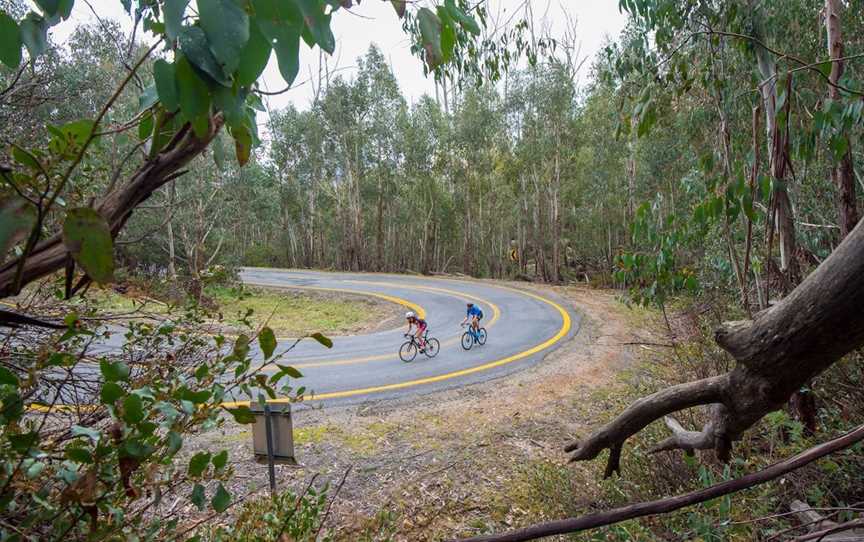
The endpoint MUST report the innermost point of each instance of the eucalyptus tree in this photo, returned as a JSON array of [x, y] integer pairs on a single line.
[[763, 379]]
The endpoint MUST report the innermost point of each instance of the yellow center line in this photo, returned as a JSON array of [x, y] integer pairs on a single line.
[[562, 332]]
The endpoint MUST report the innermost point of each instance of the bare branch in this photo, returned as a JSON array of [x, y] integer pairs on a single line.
[[646, 410], [670, 504], [683, 439]]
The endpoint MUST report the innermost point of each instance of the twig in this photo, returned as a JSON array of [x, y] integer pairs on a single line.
[[820, 535], [332, 500]]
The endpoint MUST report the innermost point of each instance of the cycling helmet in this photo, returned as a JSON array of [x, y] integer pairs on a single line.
[[409, 314]]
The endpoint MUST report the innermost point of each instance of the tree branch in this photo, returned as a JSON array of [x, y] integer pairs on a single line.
[[643, 412], [669, 504]]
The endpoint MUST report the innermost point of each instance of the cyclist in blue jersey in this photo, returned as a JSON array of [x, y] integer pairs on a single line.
[[475, 314]]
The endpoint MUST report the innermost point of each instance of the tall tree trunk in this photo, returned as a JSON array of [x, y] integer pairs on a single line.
[[379, 248], [172, 266], [843, 173], [778, 159]]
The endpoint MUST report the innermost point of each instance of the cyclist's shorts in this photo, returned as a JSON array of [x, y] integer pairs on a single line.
[[479, 316], [423, 326]]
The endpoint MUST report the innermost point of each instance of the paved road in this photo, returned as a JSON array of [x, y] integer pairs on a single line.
[[523, 328]]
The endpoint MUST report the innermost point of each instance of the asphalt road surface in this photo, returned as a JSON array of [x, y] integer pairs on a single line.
[[523, 328]]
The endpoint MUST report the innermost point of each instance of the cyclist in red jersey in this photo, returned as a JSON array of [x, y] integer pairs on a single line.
[[421, 326]]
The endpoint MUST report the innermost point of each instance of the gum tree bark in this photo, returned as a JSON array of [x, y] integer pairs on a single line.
[[843, 173], [777, 352], [117, 206]]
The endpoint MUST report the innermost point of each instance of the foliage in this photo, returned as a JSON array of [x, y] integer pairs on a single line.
[[284, 516], [95, 455]]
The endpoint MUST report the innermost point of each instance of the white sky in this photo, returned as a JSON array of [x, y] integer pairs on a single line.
[[374, 21]]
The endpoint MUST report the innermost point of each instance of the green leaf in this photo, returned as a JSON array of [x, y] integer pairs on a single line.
[[218, 156], [230, 103], [322, 339], [196, 48], [24, 442], [133, 409], [448, 34], [318, 24], [138, 448], [175, 442], [145, 127], [430, 34], [78, 131], [220, 460], [165, 78], [825, 68], [253, 58], [466, 21], [88, 238], [62, 359], [35, 469], [221, 500], [400, 7], [174, 10], [49, 7], [10, 41], [17, 217], [7, 377], [226, 26], [198, 497], [34, 34], [92, 434], [65, 8], [198, 463], [148, 98], [278, 11], [110, 393], [196, 397], [193, 92], [78, 455], [242, 144], [290, 371], [285, 40], [267, 341], [114, 372], [25, 158], [242, 415]]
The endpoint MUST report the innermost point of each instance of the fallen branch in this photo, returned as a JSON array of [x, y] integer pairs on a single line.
[[643, 412], [671, 504]]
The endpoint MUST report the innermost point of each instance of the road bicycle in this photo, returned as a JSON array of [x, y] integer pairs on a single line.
[[408, 351], [472, 337]]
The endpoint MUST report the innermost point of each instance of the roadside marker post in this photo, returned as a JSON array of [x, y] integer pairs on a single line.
[[273, 436]]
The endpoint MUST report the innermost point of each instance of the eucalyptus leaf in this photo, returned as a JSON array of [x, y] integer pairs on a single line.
[[88, 238]]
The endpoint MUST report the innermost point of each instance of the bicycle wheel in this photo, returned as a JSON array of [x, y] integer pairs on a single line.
[[467, 341], [481, 335], [432, 347], [408, 351]]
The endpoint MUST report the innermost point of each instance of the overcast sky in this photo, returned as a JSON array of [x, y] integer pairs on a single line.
[[374, 21]]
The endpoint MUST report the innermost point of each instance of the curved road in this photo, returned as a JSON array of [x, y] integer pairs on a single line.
[[523, 328]]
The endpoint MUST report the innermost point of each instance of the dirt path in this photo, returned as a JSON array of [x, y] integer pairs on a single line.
[[468, 460]]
